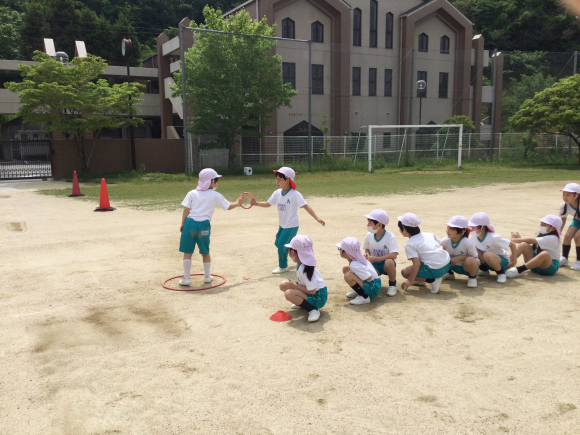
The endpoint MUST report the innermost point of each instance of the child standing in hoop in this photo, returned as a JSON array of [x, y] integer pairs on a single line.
[[309, 291], [288, 200], [198, 208], [571, 207]]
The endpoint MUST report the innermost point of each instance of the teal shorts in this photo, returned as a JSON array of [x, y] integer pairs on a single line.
[[548, 271], [195, 233], [380, 267], [428, 273], [459, 269], [318, 299], [372, 288], [575, 223], [503, 261]]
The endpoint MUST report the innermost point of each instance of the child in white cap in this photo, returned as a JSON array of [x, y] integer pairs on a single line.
[[309, 291], [430, 261], [570, 207], [360, 274], [541, 253], [380, 248], [198, 208], [288, 200], [464, 257], [491, 247]]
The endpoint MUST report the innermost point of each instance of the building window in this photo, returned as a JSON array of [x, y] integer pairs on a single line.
[[318, 79], [356, 80], [317, 32], [443, 85], [389, 31], [372, 82], [288, 28], [386, 140], [388, 83], [444, 45], [422, 75], [373, 24], [356, 27], [289, 73], [423, 42]]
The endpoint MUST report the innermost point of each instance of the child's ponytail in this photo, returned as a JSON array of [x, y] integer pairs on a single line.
[[309, 271]]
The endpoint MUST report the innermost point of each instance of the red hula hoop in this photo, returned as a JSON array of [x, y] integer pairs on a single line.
[[187, 289], [251, 196]]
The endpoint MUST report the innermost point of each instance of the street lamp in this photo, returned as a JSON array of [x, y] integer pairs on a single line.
[[61, 56], [126, 50], [422, 88]]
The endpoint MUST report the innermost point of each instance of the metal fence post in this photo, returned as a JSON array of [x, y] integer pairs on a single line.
[[499, 147], [309, 104], [278, 157], [469, 149], [437, 144], [344, 152]]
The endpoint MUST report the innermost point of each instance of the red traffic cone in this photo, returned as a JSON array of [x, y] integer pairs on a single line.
[[76, 188], [104, 204], [280, 316]]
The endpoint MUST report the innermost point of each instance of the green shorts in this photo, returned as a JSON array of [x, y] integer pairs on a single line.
[[380, 267], [195, 233], [459, 269], [548, 271], [428, 273], [372, 288], [575, 223], [318, 299], [503, 261]]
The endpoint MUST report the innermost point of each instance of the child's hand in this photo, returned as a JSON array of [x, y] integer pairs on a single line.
[[406, 284], [371, 259], [181, 228], [516, 235], [321, 222], [253, 201], [454, 261]]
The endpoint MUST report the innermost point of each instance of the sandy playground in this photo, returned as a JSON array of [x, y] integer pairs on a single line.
[[92, 344]]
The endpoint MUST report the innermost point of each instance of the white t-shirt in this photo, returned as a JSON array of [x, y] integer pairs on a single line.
[[492, 242], [567, 211], [464, 247], [363, 271], [201, 204], [550, 244], [288, 205], [316, 283], [427, 248], [387, 244]]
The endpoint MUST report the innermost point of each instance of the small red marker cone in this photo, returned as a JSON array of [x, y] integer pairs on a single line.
[[104, 202], [76, 188], [280, 316]]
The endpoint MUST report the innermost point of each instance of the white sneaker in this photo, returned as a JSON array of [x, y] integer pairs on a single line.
[[420, 283], [359, 300], [563, 262], [512, 273], [280, 270], [352, 294], [576, 265], [483, 272], [471, 282], [313, 316], [501, 278], [448, 276], [392, 291], [435, 285], [208, 278], [296, 307], [185, 281]]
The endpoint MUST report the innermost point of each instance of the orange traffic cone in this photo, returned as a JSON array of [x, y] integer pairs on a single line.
[[76, 188], [104, 202]]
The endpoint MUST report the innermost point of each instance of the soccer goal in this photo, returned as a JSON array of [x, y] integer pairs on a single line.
[[417, 142]]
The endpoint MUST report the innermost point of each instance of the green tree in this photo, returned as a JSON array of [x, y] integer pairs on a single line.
[[554, 110], [10, 21], [74, 99], [233, 82], [519, 91], [467, 123]]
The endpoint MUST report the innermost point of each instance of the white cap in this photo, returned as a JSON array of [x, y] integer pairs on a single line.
[[409, 220], [380, 216], [205, 177], [351, 246], [572, 188], [458, 222], [303, 245], [552, 220], [481, 220], [290, 174]]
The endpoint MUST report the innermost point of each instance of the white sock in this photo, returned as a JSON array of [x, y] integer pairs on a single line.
[[206, 267], [186, 268]]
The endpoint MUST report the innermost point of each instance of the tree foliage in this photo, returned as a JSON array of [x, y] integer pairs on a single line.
[[521, 90], [10, 21], [554, 110], [232, 82], [74, 99]]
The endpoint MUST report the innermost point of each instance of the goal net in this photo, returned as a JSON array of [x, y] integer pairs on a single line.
[[400, 143]]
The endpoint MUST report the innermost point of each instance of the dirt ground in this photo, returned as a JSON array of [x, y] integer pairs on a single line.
[[90, 342]]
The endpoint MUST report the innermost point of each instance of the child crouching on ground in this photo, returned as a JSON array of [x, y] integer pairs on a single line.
[[464, 257], [309, 291], [360, 274]]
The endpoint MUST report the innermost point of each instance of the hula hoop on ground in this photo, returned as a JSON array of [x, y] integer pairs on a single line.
[[187, 289]]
